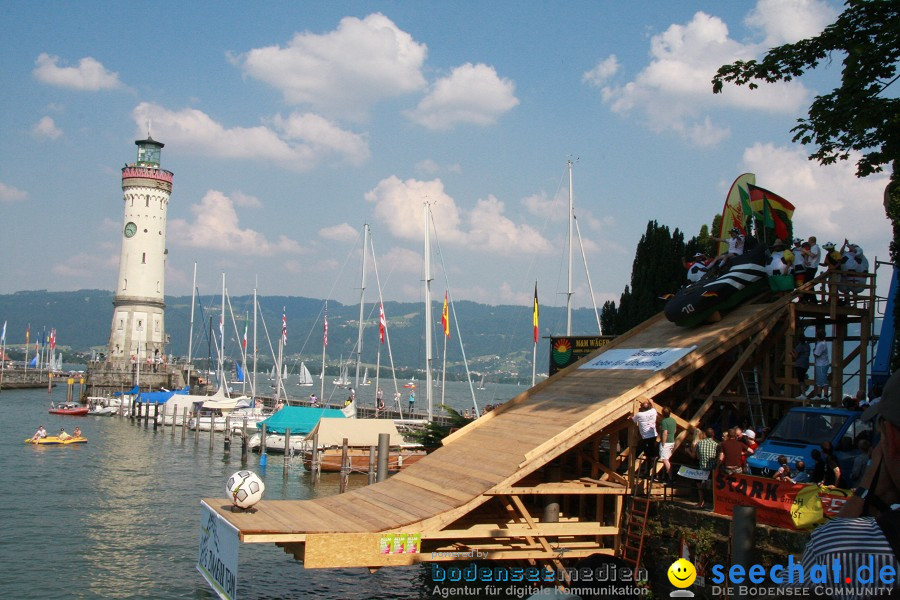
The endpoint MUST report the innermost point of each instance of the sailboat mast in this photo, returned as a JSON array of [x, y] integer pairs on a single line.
[[362, 296], [429, 392], [222, 336], [253, 382], [191, 334], [324, 346], [569, 288]]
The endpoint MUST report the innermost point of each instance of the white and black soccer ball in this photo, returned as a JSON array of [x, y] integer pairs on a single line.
[[245, 489]]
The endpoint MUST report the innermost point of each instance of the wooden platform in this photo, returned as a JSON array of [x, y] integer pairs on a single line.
[[484, 489]]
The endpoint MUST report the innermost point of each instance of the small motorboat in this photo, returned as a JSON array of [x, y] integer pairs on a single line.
[[52, 440], [745, 277], [69, 408]]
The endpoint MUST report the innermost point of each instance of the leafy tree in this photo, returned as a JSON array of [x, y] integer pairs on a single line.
[[608, 315], [855, 115]]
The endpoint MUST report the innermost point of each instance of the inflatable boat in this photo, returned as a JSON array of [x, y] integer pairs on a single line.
[[745, 277], [52, 440]]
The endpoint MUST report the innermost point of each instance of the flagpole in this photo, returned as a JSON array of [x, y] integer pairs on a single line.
[[2, 355], [253, 382], [534, 350], [27, 333]]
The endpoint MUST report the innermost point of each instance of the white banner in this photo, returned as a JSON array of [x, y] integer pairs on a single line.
[[692, 473], [218, 559], [650, 359]]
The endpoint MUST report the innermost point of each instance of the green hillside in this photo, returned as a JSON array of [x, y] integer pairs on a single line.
[[498, 339]]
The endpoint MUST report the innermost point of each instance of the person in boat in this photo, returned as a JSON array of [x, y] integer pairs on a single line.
[[697, 268], [77, 432], [63, 436], [40, 434], [313, 399], [349, 400], [735, 243]]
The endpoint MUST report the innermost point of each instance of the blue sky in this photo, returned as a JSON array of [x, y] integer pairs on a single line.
[[289, 125]]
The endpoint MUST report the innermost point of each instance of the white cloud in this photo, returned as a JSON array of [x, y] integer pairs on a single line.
[[344, 71], [323, 136], [193, 129], [47, 128], [339, 233], [830, 201], [492, 231], [432, 167], [9, 194], [84, 266], [788, 21], [600, 74], [674, 91], [401, 260], [470, 94], [400, 205], [215, 227], [90, 75], [245, 200]]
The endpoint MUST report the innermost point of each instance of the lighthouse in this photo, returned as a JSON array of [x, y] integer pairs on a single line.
[[138, 331]]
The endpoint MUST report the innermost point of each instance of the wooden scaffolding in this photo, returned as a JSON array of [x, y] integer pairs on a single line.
[[542, 480]]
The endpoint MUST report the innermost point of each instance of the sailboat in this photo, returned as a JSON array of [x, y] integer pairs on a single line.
[[343, 379], [481, 383], [306, 379], [365, 379]]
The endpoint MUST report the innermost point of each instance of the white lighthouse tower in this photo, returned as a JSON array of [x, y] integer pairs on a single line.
[[138, 329]]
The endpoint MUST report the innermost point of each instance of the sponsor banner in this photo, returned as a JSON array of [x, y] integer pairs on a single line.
[[778, 503], [650, 359], [692, 473], [218, 558], [567, 350]]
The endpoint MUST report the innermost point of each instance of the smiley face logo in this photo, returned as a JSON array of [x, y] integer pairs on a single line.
[[682, 573]]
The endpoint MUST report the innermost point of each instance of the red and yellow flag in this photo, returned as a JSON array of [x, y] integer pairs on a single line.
[[535, 317], [445, 315]]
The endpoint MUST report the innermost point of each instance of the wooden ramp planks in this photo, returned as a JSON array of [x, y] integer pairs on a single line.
[[502, 447]]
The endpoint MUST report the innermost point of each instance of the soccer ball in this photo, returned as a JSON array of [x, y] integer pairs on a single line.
[[245, 488]]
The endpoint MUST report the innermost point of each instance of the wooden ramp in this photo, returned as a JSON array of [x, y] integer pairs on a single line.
[[488, 488]]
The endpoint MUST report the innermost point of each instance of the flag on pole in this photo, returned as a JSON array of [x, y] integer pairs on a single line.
[[53, 339], [765, 203], [382, 323], [325, 334], [283, 327], [244, 341], [535, 318], [3, 335], [27, 333], [222, 328], [445, 316]]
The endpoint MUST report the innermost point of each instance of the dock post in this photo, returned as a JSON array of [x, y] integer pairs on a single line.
[[371, 465], [183, 423], [262, 440], [163, 415], [245, 443], [384, 450], [314, 463], [196, 428], [212, 430], [345, 466], [172, 429], [743, 525], [156, 416], [287, 451], [227, 434], [146, 414]]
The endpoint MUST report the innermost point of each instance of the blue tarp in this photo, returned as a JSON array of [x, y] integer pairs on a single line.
[[130, 392], [240, 372], [299, 419], [159, 397]]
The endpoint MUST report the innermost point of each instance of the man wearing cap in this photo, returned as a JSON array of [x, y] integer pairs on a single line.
[[866, 532], [735, 247], [696, 269]]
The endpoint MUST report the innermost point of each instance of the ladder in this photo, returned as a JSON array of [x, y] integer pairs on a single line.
[[750, 380], [635, 527]]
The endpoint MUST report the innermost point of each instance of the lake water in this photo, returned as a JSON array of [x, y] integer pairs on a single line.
[[119, 517]]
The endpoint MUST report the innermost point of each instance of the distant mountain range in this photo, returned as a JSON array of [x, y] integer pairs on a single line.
[[497, 339]]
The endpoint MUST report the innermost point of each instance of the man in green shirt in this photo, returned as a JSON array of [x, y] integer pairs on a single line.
[[667, 429]]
